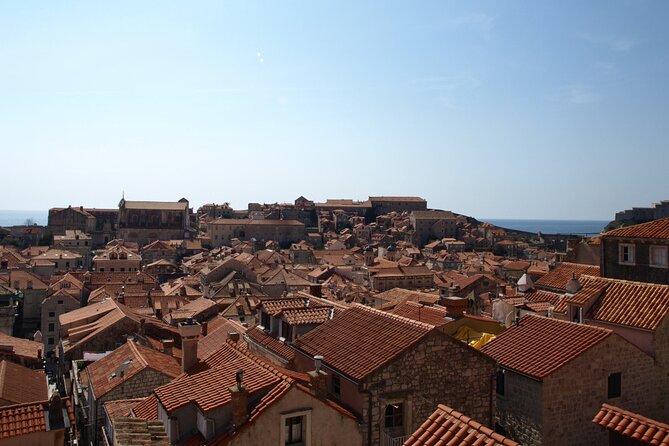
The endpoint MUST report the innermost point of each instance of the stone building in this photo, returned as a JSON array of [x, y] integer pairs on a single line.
[[60, 302], [409, 277], [117, 258], [432, 225], [34, 290], [554, 376], [639, 252], [100, 224], [235, 398], [385, 205], [145, 221], [130, 371], [394, 386], [77, 242], [285, 232]]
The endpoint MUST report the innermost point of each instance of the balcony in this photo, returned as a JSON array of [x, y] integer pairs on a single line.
[[387, 439]]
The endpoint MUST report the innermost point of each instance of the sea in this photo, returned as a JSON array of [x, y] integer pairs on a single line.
[[579, 227], [15, 218]]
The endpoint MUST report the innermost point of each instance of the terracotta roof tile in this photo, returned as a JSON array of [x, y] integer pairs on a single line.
[[23, 348], [652, 229], [622, 302], [557, 279], [258, 336], [307, 316], [275, 306], [362, 339], [126, 362], [147, 408], [539, 346], [121, 408], [19, 384], [218, 336], [202, 385], [433, 315], [22, 419], [447, 427], [633, 426]]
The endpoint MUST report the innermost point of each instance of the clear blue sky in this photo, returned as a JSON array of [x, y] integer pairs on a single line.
[[492, 109]]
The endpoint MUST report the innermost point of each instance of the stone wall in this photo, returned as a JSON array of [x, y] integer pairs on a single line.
[[439, 369], [107, 340], [519, 409], [641, 271], [573, 395], [138, 386]]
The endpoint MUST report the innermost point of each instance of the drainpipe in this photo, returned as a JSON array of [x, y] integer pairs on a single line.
[[493, 392]]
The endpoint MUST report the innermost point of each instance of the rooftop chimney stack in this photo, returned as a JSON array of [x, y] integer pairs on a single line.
[[204, 329], [318, 378], [168, 345], [233, 336], [190, 331], [573, 285], [240, 400]]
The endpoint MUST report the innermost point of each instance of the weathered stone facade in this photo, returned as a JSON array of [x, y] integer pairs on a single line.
[[559, 409], [640, 269], [438, 369], [138, 386]]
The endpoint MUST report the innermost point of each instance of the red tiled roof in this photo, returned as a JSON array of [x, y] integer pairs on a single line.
[[539, 346], [121, 408], [274, 306], [652, 229], [361, 340], [435, 315], [274, 345], [126, 362], [22, 419], [24, 348], [206, 385], [633, 426], [218, 336], [306, 316], [147, 408], [622, 302], [19, 384], [558, 278], [446, 427]]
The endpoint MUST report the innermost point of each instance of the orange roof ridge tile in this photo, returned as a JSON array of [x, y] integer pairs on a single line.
[[632, 425]]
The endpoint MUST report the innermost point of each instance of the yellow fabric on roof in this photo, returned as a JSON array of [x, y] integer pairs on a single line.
[[483, 340]]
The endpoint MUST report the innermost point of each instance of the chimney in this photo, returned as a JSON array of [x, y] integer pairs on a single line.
[[233, 336], [190, 331], [318, 378], [456, 306], [240, 400], [204, 329], [235, 286], [573, 285], [168, 344]]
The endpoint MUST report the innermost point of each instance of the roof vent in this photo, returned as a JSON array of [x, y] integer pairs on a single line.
[[573, 286], [331, 313]]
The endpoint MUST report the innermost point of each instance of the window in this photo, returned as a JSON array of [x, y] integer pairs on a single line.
[[615, 386], [52, 326], [30, 285], [60, 302], [658, 256], [52, 314], [394, 416], [626, 254], [293, 430], [336, 385], [500, 383], [50, 341]]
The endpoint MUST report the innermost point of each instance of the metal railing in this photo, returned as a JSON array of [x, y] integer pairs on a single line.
[[388, 440]]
